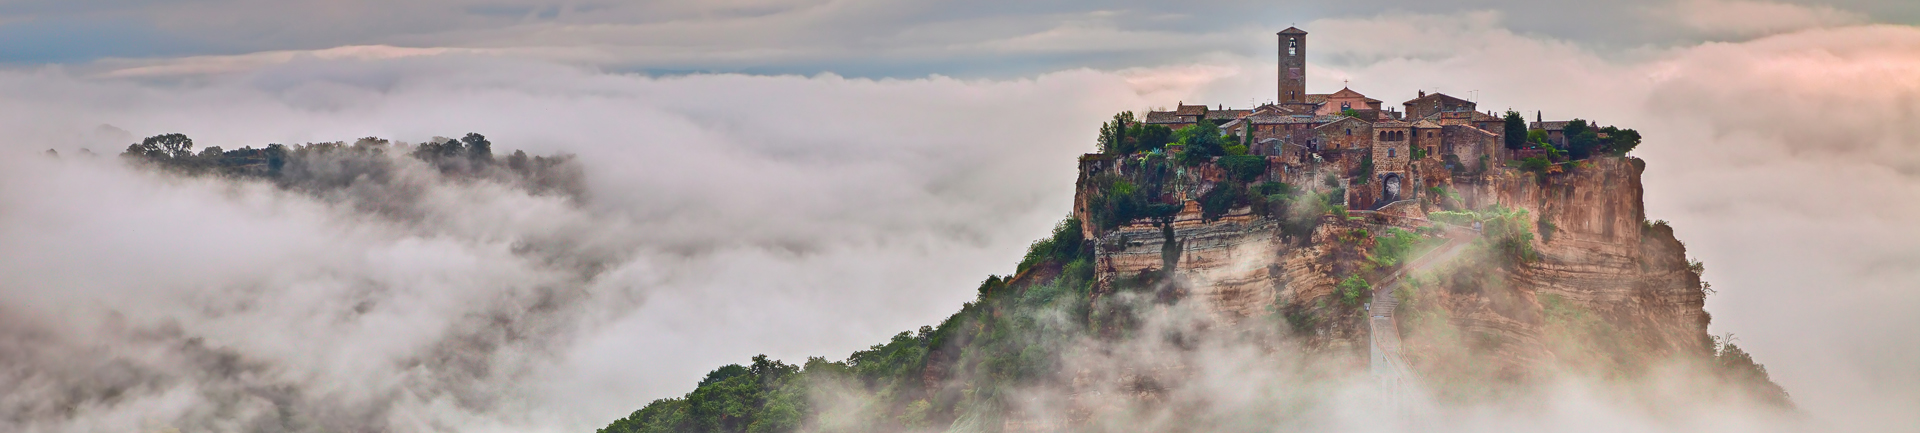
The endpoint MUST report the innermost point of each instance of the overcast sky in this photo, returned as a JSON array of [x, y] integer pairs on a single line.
[[915, 148], [865, 38]]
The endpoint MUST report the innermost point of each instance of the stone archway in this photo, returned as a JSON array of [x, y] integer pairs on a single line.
[[1390, 188]]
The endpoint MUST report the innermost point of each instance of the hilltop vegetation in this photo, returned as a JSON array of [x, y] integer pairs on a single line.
[[321, 167], [959, 373]]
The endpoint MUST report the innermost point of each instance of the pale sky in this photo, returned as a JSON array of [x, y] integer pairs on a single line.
[[866, 38], [852, 170]]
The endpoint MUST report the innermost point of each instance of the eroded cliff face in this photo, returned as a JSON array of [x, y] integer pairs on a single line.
[[1604, 288]]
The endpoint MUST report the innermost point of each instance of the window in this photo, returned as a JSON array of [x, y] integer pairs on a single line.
[[1349, 131], [1293, 46], [1389, 152]]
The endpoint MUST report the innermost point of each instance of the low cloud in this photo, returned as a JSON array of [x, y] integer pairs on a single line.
[[729, 215]]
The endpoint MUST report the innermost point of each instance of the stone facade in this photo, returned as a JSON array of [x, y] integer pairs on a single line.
[[1429, 104]]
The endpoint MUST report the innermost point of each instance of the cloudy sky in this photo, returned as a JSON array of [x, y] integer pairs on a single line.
[[805, 178]]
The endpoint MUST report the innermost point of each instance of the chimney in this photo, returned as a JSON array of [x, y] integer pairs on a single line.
[[1423, 94], [1539, 116]]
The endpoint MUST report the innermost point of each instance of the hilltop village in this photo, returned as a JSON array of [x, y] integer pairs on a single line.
[[1449, 253], [1380, 157]]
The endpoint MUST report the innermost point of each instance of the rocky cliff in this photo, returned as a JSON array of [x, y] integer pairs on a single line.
[[1593, 255], [1233, 293]]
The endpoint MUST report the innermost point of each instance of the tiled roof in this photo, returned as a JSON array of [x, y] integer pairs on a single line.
[[1228, 114], [1331, 120], [1190, 110], [1346, 93], [1424, 123], [1316, 98], [1154, 117], [1550, 126], [1436, 95], [1390, 123], [1293, 31]]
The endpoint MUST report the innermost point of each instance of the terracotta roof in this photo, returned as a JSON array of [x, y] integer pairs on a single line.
[[1346, 93], [1424, 123], [1228, 114], [1339, 120], [1315, 98], [1161, 117], [1435, 95], [1270, 119], [1293, 31], [1390, 123], [1190, 110]]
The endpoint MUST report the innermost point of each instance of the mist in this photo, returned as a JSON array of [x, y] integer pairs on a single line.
[[731, 215]]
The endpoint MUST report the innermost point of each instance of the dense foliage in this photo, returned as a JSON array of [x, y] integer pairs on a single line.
[[1126, 136], [1584, 140], [333, 165], [1009, 336], [1200, 142], [1516, 130]]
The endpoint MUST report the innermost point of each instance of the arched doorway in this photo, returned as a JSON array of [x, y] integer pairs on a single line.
[[1390, 188]]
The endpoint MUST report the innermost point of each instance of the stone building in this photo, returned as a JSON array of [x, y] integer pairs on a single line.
[[1391, 160], [1468, 149], [1556, 131], [1347, 99], [1184, 115], [1337, 133], [1343, 141], [1428, 104]]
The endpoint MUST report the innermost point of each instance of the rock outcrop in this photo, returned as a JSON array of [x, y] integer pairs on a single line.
[[1595, 254]]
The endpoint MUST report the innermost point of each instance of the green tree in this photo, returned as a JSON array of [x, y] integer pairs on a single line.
[[1114, 139], [1516, 130], [1148, 138], [1243, 168], [478, 148], [1202, 142], [1537, 137], [173, 145], [1582, 139], [1619, 141]]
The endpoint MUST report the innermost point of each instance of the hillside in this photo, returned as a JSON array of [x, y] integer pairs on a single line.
[[1213, 282]]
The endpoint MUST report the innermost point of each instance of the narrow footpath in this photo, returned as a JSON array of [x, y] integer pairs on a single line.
[[1389, 367]]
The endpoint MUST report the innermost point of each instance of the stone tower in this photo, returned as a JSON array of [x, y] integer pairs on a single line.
[[1293, 66]]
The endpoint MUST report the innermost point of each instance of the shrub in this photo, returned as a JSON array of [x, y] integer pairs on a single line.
[[1352, 289], [1509, 232], [1215, 203], [1243, 168], [1394, 246], [1536, 165], [1064, 245], [1365, 171], [1273, 188]]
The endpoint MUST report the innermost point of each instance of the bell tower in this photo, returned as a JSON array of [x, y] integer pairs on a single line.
[[1293, 66]]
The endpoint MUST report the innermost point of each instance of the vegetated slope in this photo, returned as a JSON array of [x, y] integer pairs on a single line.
[[1228, 292]]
